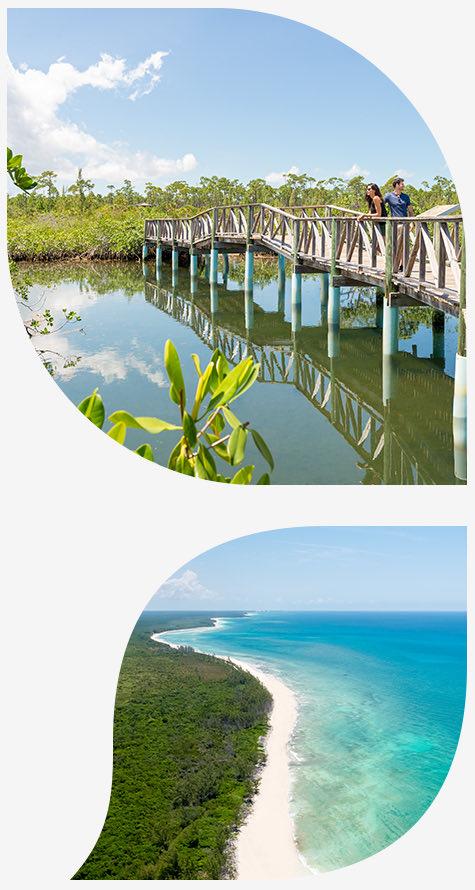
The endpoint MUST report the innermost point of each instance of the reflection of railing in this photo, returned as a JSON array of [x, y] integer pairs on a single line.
[[366, 429], [422, 255]]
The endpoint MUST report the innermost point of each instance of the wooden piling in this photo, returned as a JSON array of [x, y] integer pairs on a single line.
[[461, 345]]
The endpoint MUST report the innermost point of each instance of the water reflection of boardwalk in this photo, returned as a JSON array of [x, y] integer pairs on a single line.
[[378, 403]]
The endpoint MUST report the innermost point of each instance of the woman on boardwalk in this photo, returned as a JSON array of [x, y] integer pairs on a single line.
[[376, 206]]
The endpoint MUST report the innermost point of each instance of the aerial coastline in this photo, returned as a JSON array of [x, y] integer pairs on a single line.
[[265, 847]]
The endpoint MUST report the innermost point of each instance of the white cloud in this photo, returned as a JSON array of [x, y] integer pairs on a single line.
[[355, 170], [49, 142], [404, 173], [186, 587], [279, 178]]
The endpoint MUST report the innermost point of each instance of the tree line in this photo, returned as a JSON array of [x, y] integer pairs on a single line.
[[188, 734], [179, 198]]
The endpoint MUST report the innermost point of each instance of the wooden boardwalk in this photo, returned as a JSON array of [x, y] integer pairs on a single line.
[[416, 259]]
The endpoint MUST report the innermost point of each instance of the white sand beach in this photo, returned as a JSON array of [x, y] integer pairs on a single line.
[[265, 847]]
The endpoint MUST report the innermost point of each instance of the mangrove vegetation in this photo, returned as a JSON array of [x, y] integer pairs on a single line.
[[49, 224]]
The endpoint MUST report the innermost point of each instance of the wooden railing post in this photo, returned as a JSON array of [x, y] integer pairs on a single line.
[[249, 261], [461, 346], [249, 225], [158, 252], [193, 256], [388, 278], [213, 266], [144, 246], [405, 247], [333, 267], [296, 234], [460, 384], [441, 254]]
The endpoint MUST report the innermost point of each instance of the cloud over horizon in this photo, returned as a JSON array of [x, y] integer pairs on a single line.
[[48, 142], [355, 170], [186, 587], [279, 178]]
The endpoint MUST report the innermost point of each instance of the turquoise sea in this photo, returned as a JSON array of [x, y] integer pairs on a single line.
[[380, 706]]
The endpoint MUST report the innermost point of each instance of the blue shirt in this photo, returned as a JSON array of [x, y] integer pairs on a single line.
[[398, 204]]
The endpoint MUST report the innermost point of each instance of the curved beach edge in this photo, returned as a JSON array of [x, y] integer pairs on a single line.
[[265, 847]]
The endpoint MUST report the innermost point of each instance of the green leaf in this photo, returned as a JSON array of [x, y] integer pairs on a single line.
[[15, 162], [149, 424], [174, 455], [222, 367], [118, 432], [231, 418], [220, 450], [145, 451], [261, 445], [93, 408], [189, 429], [243, 476], [218, 424], [230, 384], [236, 445], [175, 374], [201, 390], [184, 466], [264, 480], [196, 363], [187, 467], [207, 460], [200, 471], [246, 382]]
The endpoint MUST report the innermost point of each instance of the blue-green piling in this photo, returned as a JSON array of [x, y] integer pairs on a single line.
[[333, 321], [390, 348]]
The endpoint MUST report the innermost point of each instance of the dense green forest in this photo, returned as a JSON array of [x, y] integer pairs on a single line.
[[49, 224], [188, 732]]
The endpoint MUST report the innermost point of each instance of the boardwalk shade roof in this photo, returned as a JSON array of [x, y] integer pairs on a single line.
[[440, 210]]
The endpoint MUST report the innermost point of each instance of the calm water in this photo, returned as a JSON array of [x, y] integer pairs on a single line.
[[323, 418], [381, 698]]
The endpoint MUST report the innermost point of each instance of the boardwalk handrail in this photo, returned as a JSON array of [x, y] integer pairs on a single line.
[[421, 255]]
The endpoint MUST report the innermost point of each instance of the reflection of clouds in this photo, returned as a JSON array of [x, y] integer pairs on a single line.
[[61, 297], [108, 363], [155, 376]]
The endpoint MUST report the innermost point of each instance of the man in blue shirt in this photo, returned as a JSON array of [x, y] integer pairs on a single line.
[[398, 202]]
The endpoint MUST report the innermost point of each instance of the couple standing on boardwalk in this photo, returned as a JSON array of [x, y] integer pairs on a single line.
[[399, 203]]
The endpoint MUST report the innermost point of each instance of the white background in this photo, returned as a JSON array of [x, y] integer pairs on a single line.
[[90, 531]]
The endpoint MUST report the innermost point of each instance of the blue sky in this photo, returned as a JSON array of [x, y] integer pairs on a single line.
[[164, 94], [356, 568]]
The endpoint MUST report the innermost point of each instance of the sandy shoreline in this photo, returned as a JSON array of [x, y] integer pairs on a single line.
[[265, 846]]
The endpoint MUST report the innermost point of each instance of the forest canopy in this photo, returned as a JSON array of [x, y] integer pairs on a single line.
[[188, 733]]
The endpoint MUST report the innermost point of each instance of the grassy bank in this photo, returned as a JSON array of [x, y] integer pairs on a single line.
[[104, 234], [187, 732]]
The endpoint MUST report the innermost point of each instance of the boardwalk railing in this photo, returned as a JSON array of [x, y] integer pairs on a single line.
[[419, 256]]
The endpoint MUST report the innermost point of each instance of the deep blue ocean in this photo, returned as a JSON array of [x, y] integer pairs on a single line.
[[380, 706]]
